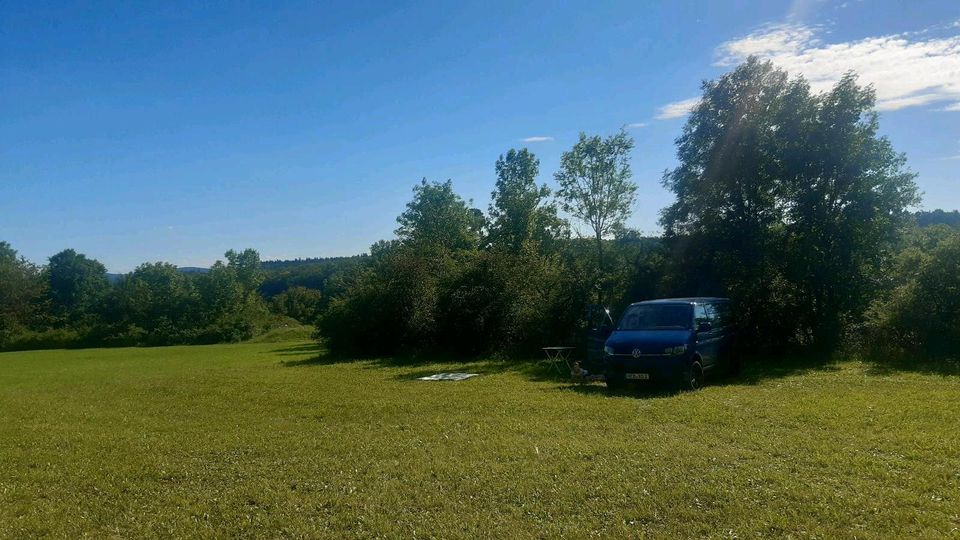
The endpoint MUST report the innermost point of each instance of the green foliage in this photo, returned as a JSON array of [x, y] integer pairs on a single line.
[[299, 303], [438, 220], [326, 276], [21, 293], [595, 181], [158, 305], [938, 217], [596, 187], [921, 314], [520, 211], [77, 286], [789, 201], [434, 287], [71, 304]]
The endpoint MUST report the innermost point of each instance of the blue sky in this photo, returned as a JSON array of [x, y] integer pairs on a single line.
[[178, 131]]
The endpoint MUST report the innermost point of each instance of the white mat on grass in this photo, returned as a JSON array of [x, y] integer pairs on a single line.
[[448, 377]]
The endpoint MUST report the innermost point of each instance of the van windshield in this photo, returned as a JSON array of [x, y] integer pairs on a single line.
[[657, 317]]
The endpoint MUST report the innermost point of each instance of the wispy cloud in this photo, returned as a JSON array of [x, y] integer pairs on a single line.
[[677, 109], [637, 125], [537, 139], [907, 70]]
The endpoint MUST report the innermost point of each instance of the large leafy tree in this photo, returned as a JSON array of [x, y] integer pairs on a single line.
[[596, 185], [437, 219], [785, 199], [159, 299], [246, 266], [78, 285], [20, 291], [520, 211], [921, 310]]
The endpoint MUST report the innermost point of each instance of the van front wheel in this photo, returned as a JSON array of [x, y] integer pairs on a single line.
[[693, 378]]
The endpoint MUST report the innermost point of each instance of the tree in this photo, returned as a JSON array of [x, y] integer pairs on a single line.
[[846, 204], [246, 265], [786, 200], [77, 285], [300, 303], [161, 301], [437, 219], [228, 297], [20, 291], [596, 186], [922, 312], [520, 211]]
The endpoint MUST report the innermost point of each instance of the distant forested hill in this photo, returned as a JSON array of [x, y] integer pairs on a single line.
[[938, 217], [292, 263], [313, 273]]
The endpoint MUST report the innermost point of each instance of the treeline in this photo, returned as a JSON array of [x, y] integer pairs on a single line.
[[786, 200], [70, 302]]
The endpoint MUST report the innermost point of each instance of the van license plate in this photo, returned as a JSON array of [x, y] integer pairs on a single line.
[[638, 376]]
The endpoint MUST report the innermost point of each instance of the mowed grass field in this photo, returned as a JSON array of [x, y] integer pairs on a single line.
[[267, 440]]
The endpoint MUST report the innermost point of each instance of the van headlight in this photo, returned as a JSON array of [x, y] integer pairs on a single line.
[[608, 350], [675, 351]]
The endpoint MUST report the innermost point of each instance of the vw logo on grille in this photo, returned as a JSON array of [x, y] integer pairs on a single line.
[[636, 353]]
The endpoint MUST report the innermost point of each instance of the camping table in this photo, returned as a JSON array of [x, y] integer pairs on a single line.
[[556, 355]]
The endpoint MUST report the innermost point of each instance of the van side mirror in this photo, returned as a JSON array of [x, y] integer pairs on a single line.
[[704, 326]]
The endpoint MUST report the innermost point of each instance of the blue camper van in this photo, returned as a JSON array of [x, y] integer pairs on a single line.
[[675, 341]]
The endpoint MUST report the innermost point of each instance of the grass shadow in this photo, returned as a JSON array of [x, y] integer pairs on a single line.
[[756, 369], [296, 350], [945, 367], [650, 391]]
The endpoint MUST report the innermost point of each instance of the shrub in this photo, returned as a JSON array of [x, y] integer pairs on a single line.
[[922, 313]]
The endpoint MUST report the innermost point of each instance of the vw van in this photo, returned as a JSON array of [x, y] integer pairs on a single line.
[[673, 341]]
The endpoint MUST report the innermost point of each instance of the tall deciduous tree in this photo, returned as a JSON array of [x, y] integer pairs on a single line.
[[520, 210], [246, 266], [20, 291], [596, 185], [78, 285], [158, 297], [786, 198], [439, 219]]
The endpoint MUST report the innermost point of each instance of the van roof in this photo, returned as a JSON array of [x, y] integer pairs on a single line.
[[691, 300]]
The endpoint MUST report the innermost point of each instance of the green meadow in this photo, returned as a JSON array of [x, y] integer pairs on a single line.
[[276, 440]]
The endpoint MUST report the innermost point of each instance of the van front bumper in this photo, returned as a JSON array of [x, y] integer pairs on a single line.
[[660, 369]]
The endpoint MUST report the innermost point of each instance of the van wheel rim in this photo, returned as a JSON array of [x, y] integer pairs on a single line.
[[696, 376]]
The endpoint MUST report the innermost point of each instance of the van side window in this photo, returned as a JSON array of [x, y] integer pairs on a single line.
[[711, 310], [700, 314], [723, 315]]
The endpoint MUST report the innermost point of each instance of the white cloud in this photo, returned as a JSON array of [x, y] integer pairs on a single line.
[[907, 70], [953, 107], [537, 139], [637, 125], [677, 109]]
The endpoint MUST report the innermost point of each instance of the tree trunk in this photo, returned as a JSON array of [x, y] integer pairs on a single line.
[[599, 283]]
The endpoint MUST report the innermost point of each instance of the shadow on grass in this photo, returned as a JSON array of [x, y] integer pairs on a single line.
[[756, 370], [297, 350], [316, 355], [946, 367]]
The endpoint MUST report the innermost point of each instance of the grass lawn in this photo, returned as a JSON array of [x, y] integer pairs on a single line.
[[260, 440]]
